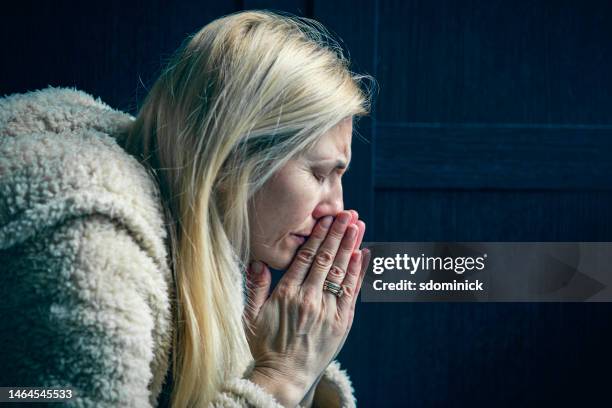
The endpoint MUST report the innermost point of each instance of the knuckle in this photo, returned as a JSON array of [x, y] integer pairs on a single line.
[[348, 292], [336, 234], [309, 304], [324, 258], [336, 271], [347, 244], [354, 269], [283, 291], [319, 232], [305, 255]]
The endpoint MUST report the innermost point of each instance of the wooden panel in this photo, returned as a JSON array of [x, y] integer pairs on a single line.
[[298, 7], [354, 23], [494, 157], [112, 49], [495, 61], [493, 216], [479, 355]]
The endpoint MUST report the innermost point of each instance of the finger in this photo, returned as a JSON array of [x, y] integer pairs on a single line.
[[362, 227], [365, 261], [258, 282], [361, 224], [366, 255], [349, 284], [327, 253], [354, 216], [294, 276], [338, 269]]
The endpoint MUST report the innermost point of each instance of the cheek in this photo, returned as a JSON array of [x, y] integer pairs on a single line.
[[300, 201], [287, 199], [290, 213], [281, 208]]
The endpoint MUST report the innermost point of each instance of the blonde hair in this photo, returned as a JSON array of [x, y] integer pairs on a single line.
[[238, 99]]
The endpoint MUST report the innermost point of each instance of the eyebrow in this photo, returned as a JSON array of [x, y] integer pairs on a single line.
[[339, 164]]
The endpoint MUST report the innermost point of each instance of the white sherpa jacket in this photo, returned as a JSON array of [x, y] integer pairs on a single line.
[[85, 281]]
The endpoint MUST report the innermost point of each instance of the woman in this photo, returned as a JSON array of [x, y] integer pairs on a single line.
[[125, 243]]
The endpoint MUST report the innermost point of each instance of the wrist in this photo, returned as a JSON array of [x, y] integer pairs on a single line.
[[286, 391]]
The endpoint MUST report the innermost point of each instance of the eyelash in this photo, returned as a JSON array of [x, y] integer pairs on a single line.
[[319, 178]]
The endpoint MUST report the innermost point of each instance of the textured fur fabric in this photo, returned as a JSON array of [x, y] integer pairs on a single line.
[[85, 277]]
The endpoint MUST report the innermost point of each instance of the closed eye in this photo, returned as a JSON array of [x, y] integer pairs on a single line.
[[320, 178]]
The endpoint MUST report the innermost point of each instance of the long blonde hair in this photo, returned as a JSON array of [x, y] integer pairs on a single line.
[[238, 99]]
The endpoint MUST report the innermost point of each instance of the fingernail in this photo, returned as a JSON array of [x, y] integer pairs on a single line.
[[326, 221], [344, 218]]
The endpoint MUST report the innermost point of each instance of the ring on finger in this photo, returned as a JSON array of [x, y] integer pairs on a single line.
[[334, 288], [332, 282]]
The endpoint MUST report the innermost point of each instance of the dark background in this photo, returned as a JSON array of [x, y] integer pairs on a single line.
[[493, 122]]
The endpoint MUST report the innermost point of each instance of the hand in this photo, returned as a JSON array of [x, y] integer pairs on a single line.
[[309, 397], [365, 260], [299, 329]]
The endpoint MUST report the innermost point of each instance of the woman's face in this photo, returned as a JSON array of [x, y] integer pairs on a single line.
[[284, 212]]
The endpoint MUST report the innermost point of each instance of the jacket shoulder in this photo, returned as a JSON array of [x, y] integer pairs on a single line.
[[70, 194], [59, 160], [57, 110]]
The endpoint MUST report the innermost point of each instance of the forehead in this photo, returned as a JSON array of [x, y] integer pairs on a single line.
[[335, 143]]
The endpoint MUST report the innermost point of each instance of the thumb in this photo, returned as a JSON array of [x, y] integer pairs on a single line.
[[259, 279]]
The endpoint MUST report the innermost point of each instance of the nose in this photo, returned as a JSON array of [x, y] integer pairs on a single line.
[[331, 203]]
